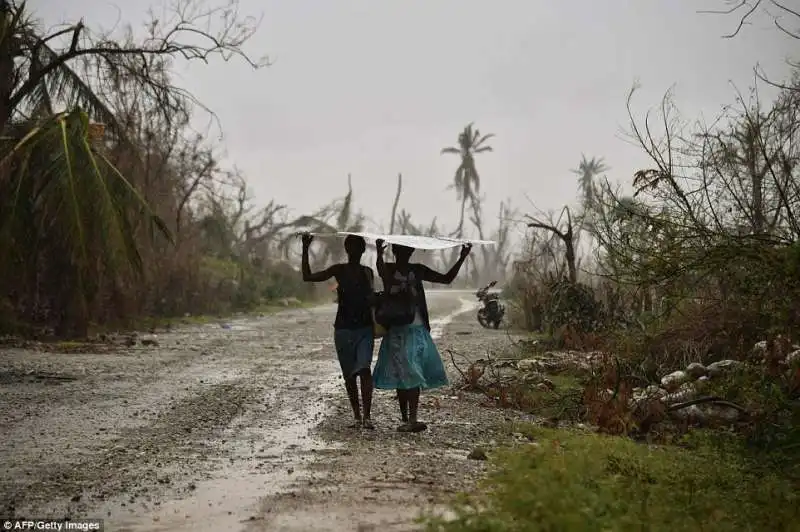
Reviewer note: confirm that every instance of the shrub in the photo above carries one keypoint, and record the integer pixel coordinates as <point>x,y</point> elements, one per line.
<point>578,481</point>
<point>572,305</point>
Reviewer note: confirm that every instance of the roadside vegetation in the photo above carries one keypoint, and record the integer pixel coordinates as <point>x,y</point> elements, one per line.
<point>663,353</point>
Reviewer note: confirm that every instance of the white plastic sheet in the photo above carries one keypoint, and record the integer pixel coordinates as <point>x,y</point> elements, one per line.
<point>413,241</point>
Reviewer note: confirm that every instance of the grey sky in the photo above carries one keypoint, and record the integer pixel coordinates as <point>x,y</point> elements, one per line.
<point>374,88</point>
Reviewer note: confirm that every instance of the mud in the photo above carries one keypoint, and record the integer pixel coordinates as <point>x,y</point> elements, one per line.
<point>233,426</point>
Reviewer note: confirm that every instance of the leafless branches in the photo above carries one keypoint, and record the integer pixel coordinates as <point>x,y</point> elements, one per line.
<point>187,29</point>
<point>747,9</point>
<point>564,230</point>
<point>396,202</point>
<point>785,18</point>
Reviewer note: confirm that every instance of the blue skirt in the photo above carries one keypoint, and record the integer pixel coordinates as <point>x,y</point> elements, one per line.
<point>407,359</point>
<point>354,349</point>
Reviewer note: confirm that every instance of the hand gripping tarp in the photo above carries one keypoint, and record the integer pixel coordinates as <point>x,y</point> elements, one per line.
<point>414,241</point>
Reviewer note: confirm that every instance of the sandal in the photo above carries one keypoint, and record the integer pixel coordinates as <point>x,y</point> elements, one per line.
<point>368,424</point>
<point>405,427</point>
<point>355,424</point>
<point>418,426</point>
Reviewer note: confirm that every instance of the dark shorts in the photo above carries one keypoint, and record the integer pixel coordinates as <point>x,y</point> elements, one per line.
<point>354,349</point>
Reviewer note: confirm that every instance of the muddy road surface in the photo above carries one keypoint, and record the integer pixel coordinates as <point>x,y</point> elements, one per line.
<point>236,425</point>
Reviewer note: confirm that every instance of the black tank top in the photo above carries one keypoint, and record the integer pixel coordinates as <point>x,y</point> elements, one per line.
<point>354,291</point>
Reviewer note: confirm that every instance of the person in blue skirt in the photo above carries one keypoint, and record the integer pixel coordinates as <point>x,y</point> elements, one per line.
<point>408,360</point>
<point>353,327</point>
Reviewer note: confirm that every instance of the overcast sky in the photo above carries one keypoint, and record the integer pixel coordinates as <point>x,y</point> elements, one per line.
<point>377,87</point>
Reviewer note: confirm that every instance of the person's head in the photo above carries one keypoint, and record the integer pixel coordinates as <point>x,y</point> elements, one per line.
<point>354,246</point>
<point>402,254</point>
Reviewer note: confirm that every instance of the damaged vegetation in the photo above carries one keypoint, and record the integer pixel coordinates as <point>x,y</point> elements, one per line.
<point>114,210</point>
<point>664,347</point>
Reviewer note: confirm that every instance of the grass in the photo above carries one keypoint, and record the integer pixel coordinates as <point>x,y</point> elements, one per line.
<point>580,481</point>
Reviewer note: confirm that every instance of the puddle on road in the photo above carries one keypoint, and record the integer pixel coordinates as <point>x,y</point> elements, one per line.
<point>437,326</point>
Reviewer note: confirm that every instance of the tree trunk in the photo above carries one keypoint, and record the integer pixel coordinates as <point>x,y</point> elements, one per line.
<point>396,201</point>
<point>569,254</point>
<point>460,230</point>
<point>6,66</point>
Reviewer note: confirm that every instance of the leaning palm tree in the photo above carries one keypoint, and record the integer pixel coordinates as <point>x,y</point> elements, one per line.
<point>66,213</point>
<point>467,181</point>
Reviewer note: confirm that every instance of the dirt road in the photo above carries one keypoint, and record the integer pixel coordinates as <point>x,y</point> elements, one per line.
<point>231,426</point>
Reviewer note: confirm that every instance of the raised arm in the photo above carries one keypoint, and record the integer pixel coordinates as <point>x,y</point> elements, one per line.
<point>432,276</point>
<point>308,276</point>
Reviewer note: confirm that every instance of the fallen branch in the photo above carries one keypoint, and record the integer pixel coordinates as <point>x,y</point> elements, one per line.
<point>453,360</point>
<point>706,400</point>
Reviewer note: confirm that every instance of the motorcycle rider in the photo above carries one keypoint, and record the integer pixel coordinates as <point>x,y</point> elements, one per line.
<point>492,311</point>
<point>483,292</point>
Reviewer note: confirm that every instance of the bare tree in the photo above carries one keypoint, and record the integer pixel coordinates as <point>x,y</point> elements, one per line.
<point>396,202</point>
<point>564,231</point>
<point>501,253</point>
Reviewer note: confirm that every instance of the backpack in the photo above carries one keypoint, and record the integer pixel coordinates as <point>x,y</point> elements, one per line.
<point>396,305</point>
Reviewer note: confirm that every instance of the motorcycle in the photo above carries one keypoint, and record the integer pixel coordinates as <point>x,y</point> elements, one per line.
<point>492,312</point>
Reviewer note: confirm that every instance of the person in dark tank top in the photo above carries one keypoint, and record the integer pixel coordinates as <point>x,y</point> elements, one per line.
<point>353,327</point>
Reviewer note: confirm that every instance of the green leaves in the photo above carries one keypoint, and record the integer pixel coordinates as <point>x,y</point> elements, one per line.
<point>58,188</point>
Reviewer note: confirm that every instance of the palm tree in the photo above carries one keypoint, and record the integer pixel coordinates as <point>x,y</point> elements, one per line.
<point>66,213</point>
<point>587,170</point>
<point>466,180</point>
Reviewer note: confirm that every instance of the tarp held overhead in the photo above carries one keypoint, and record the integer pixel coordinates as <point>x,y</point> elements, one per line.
<point>414,241</point>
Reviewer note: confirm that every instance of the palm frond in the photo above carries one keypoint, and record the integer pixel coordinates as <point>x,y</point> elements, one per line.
<point>65,87</point>
<point>312,224</point>
<point>79,195</point>
<point>483,139</point>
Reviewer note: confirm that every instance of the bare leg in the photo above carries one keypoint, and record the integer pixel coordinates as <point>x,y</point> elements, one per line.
<point>366,397</point>
<point>352,394</point>
<point>413,405</point>
<point>402,398</point>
